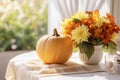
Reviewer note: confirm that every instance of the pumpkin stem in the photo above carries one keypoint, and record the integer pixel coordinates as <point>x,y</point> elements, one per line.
<point>55,32</point>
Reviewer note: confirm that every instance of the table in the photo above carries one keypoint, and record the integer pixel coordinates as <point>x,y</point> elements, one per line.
<point>27,67</point>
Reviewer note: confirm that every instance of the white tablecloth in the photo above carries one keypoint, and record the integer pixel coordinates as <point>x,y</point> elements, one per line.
<point>27,67</point>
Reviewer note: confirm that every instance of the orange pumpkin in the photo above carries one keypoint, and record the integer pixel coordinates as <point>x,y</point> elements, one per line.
<point>54,49</point>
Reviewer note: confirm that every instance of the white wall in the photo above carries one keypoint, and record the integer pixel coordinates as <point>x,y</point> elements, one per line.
<point>115,4</point>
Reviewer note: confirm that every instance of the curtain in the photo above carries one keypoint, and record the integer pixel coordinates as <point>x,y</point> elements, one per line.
<point>115,11</point>
<point>61,9</point>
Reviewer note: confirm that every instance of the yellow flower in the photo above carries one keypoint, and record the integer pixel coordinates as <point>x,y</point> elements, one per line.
<point>81,16</point>
<point>114,37</point>
<point>67,21</point>
<point>100,20</point>
<point>80,34</point>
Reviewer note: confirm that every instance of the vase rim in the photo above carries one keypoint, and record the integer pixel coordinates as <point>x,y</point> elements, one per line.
<point>97,45</point>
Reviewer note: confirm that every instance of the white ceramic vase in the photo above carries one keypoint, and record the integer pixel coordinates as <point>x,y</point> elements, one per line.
<point>95,58</point>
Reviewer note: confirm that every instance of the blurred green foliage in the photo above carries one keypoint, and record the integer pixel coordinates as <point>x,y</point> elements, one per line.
<point>22,23</point>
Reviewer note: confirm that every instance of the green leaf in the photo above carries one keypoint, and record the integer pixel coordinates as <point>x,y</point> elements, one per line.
<point>111,47</point>
<point>87,48</point>
<point>76,20</point>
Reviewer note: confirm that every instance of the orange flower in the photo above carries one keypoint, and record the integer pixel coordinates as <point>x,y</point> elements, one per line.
<point>110,17</point>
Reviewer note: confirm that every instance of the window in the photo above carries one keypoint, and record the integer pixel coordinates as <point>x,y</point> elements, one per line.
<point>22,23</point>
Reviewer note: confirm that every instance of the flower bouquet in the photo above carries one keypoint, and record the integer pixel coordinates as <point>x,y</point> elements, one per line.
<point>88,29</point>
